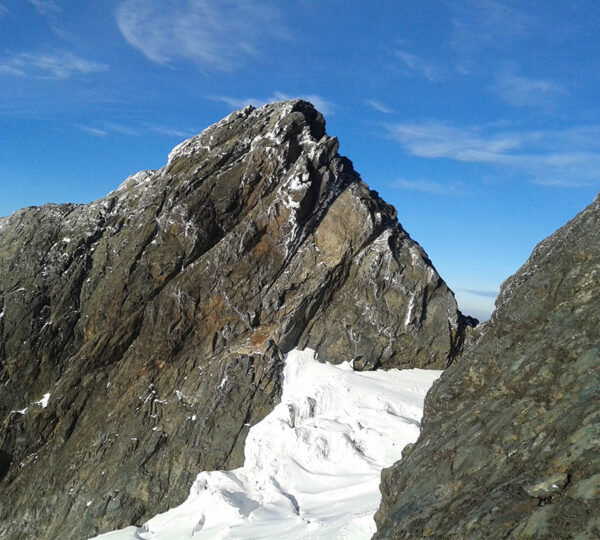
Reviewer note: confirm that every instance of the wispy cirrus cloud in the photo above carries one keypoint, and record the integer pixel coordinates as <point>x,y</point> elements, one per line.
<point>169,131</point>
<point>482,23</point>
<point>3,11</point>
<point>217,34</point>
<point>110,128</point>
<point>437,140</point>
<point>238,103</point>
<point>321,104</point>
<point>433,188</point>
<point>378,106</point>
<point>559,157</point>
<point>94,131</point>
<point>45,7</point>
<point>482,29</point>
<point>528,92</point>
<point>425,68</point>
<point>58,65</point>
<point>137,129</point>
<point>120,129</point>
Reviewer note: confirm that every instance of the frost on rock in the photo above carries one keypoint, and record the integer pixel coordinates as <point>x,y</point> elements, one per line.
<point>312,466</point>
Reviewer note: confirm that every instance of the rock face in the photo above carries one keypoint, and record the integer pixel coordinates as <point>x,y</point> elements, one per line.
<point>511,432</point>
<point>156,318</point>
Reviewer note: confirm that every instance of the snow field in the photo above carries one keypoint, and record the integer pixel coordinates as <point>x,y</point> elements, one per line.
<point>312,466</point>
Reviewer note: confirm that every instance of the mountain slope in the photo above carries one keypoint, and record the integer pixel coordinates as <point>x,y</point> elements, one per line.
<point>156,318</point>
<point>509,447</point>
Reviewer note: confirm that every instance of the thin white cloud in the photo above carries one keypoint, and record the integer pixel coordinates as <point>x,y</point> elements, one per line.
<point>483,23</point>
<point>94,131</point>
<point>567,157</point>
<point>45,7</point>
<point>419,65</point>
<point>321,104</point>
<point>238,103</point>
<point>7,69</point>
<point>135,131</point>
<point>560,183</point>
<point>60,65</point>
<point>433,188</point>
<point>528,92</point>
<point>217,34</point>
<point>437,140</point>
<point>3,11</point>
<point>170,131</point>
<point>378,106</point>
<point>121,129</point>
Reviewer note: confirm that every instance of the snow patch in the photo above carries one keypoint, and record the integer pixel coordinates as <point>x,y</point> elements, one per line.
<point>410,310</point>
<point>43,403</point>
<point>312,467</point>
<point>140,177</point>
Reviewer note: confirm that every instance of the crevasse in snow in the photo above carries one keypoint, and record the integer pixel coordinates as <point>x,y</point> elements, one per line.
<point>312,467</point>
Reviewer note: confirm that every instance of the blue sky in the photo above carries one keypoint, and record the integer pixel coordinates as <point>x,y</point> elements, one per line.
<point>479,120</point>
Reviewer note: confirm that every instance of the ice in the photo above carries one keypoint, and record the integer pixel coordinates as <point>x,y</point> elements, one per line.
<point>312,467</point>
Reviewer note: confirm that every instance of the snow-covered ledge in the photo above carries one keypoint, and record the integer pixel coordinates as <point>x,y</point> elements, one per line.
<point>312,467</point>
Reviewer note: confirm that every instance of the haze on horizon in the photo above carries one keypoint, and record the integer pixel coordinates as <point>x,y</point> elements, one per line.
<point>478,120</point>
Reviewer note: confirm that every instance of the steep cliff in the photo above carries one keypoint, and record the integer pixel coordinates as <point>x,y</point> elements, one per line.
<point>511,432</point>
<point>142,334</point>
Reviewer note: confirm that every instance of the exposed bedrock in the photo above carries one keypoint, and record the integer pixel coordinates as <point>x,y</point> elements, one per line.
<point>157,317</point>
<point>511,432</point>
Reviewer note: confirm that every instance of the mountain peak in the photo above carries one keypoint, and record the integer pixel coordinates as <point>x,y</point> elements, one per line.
<point>274,121</point>
<point>158,316</point>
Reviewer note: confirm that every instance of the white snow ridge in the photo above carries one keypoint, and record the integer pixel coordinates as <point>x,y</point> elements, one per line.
<point>312,467</point>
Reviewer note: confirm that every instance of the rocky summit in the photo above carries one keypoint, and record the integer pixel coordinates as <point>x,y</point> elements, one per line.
<point>511,433</point>
<point>142,334</point>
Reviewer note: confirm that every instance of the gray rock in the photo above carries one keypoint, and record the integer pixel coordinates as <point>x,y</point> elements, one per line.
<point>511,432</point>
<point>158,316</point>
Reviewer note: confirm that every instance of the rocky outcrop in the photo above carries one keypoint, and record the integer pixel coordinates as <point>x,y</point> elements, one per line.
<point>511,432</point>
<point>156,318</point>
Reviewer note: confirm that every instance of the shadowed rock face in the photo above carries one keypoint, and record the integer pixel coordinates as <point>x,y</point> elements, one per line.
<point>157,318</point>
<point>511,432</point>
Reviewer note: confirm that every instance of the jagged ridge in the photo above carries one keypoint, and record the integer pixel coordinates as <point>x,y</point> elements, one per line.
<point>157,317</point>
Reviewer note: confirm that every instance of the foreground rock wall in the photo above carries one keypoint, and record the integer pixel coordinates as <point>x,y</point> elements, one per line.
<point>156,318</point>
<point>511,432</point>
